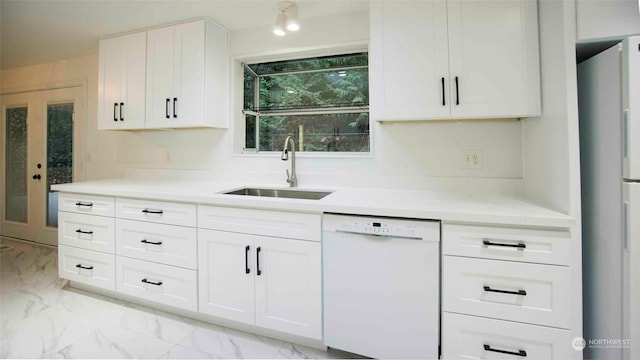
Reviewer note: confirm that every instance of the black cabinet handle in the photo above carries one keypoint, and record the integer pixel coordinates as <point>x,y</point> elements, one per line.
<point>145,241</point>
<point>457,93</point>
<point>115,106</point>
<point>84,204</point>
<point>258,271</point>
<point>37,177</point>
<point>84,232</point>
<point>79,266</point>
<point>147,211</point>
<point>166,108</point>
<point>175,100</point>
<point>246,260</point>
<point>121,107</point>
<point>519,353</point>
<point>151,282</point>
<point>518,245</point>
<point>519,292</point>
<point>443,99</point>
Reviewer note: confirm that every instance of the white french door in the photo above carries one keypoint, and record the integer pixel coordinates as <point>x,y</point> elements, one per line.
<point>42,139</point>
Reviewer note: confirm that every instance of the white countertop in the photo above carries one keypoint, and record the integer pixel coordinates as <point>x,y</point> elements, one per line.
<point>446,206</point>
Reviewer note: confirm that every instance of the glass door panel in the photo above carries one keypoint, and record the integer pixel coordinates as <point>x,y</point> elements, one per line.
<point>16,192</point>
<point>59,154</point>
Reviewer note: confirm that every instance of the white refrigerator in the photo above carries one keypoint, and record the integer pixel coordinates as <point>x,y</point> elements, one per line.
<point>609,106</point>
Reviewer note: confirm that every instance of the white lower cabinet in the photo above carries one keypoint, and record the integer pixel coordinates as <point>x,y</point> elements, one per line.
<point>471,337</point>
<point>165,284</point>
<point>271,282</point>
<point>86,266</point>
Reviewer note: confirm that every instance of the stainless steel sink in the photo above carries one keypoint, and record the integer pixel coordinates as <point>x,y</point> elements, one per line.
<point>280,193</point>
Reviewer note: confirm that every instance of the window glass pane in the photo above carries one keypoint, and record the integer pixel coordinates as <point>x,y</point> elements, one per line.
<point>249,90</point>
<point>16,165</point>
<point>250,132</point>
<point>318,132</point>
<point>59,154</point>
<point>323,62</point>
<point>309,90</point>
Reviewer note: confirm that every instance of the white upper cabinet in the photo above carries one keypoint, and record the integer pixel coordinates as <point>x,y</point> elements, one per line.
<point>454,59</point>
<point>121,90</point>
<point>182,70</point>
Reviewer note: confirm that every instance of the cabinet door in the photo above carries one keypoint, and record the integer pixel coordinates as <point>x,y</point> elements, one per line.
<point>133,84</point>
<point>226,289</point>
<point>187,102</point>
<point>409,62</point>
<point>288,286</point>
<point>493,50</point>
<point>109,83</point>
<point>160,65</point>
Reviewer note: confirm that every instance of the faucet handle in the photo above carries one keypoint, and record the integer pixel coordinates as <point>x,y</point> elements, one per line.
<point>288,177</point>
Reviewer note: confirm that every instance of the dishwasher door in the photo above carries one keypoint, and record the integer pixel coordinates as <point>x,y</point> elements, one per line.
<point>381,292</point>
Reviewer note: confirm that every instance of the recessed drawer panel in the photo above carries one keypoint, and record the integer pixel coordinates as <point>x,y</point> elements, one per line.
<point>86,266</point>
<point>165,284</point>
<point>471,337</point>
<point>86,204</point>
<point>86,231</point>
<point>166,244</point>
<point>157,211</point>
<point>526,245</point>
<point>531,293</point>
<point>261,222</point>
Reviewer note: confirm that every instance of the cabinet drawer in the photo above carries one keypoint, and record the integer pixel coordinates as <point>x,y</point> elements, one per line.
<point>165,284</point>
<point>166,244</point>
<point>157,212</point>
<point>86,231</point>
<point>261,222</point>
<point>86,266</point>
<point>470,337</point>
<point>86,204</point>
<point>527,245</point>
<point>531,293</point>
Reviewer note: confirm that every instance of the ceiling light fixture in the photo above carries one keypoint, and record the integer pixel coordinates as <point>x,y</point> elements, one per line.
<point>287,18</point>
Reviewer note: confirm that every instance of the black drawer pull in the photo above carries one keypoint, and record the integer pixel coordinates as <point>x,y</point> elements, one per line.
<point>84,267</point>
<point>145,241</point>
<point>246,260</point>
<point>518,245</point>
<point>519,353</point>
<point>519,292</point>
<point>84,232</point>
<point>151,282</point>
<point>84,204</point>
<point>258,271</point>
<point>147,211</point>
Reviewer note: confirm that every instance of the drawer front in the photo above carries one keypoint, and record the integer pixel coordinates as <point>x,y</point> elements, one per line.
<point>526,245</point>
<point>86,266</point>
<point>87,204</point>
<point>86,231</point>
<point>157,212</point>
<point>470,337</point>
<point>165,284</point>
<point>165,244</point>
<point>531,293</point>
<point>261,222</point>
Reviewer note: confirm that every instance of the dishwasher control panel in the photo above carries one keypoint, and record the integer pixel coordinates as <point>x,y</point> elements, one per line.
<point>381,227</point>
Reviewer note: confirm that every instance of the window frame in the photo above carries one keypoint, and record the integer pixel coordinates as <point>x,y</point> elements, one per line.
<point>239,113</point>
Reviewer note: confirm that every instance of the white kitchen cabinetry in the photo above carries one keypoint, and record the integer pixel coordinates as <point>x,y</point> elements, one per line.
<point>454,60</point>
<point>506,291</point>
<point>186,64</point>
<point>121,79</point>
<point>271,282</point>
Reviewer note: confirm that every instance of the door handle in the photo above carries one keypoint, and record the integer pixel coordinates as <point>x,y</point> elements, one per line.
<point>457,93</point>
<point>175,101</point>
<point>121,107</point>
<point>444,103</point>
<point>115,107</point>
<point>258,271</point>
<point>246,259</point>
<point>166,108</point>
<point>37,177</point>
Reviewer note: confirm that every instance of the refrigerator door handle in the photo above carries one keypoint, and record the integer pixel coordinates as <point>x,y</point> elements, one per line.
<point>625,225</point>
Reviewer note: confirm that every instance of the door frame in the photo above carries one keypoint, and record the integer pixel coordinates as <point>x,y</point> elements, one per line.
<point>42,97</point>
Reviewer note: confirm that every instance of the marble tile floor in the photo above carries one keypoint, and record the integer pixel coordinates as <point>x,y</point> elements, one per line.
<point>40,319</point>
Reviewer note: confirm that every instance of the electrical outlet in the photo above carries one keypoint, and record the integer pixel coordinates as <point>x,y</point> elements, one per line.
<point>471,159</point>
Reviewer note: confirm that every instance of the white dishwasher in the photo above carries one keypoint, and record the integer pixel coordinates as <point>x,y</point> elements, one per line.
<point>381,286</point>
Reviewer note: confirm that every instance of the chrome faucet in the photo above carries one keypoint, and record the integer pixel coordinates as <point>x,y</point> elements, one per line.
<point>291,178</point>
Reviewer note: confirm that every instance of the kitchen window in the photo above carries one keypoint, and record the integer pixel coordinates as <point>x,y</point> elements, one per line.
<point>323,102</point>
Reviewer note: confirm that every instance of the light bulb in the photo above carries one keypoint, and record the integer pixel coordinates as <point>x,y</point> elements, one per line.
<point>292,18</point>
<point>278,28</point>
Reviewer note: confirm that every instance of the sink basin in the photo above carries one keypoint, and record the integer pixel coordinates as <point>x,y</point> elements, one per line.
<point>280,193</point>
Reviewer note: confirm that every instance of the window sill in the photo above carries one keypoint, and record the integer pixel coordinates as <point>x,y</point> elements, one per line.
<point>306,155</point>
